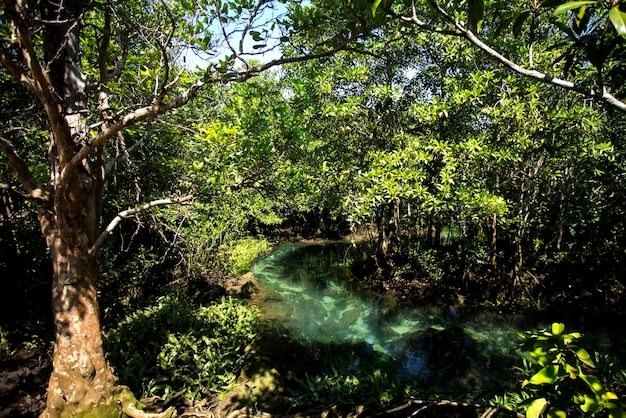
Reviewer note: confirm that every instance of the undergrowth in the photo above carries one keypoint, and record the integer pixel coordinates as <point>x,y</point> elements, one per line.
<point>177,345</point>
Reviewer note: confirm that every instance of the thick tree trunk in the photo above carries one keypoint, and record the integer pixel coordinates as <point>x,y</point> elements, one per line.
<point>81,377</point>
<point>82,382</point>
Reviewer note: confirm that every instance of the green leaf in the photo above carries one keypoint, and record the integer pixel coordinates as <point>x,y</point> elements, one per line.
<point>256,35</point>
<point>548,375</point>
<point>536,408</point>
<point>519,21</point>
<point>594,384</point>
<point>591,404</point>
<point>556,413</point>
<point>573,371</point>
<point>583,356</point>
<point>615,411</point>
<point>572,5</point>
<point>375,7</point>
<point>476,13</point>
<point>558,328</point>
<point>541,355</point>
<point>618,18</point>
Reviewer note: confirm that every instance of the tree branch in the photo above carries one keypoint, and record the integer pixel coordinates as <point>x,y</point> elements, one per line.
<point>150,111</point>
<point>603,96</point>
<point>7,61</point>
<point>20,169</point>
<point>38,83</point>
<point>130,119</point>
<point>11,190</point>
<point>131,212</point>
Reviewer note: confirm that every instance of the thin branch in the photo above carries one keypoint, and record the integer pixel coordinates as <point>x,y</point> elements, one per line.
<point>7,61</point>
<point>248,26</point>
<point>164,57</point>
<point>131,212</point>
<point>130,119</point>
<point>213,76</point>
<point>425,26</point>
<point>11,190</point>
<point>225,34</point>
<point>603,96</point>
<point>126,156</point>
<point>40,84</point>
<point>43,90</point>
<point>20,169</point>
<point>150,111</point>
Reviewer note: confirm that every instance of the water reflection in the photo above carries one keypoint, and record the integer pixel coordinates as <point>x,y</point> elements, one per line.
<point>451,348</point>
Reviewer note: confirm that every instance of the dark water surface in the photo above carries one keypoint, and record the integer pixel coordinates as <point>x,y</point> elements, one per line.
<point>449,348</point>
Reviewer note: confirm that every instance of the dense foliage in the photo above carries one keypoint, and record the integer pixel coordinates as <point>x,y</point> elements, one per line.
<point>198,350</point>
<point>478,146</point>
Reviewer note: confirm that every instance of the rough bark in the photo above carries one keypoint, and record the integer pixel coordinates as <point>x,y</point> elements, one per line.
<point>81,377</point>
<point>388,241</point>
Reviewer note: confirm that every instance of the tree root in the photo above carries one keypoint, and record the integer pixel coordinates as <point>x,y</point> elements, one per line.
<point>132,408</point>
<point>133,412</point>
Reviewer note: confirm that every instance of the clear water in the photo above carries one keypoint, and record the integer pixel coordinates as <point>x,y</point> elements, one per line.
<point>449,348</point>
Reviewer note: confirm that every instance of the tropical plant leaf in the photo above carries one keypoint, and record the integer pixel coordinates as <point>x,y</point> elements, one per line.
<point>476,13</point>
<point>618,18</point>
<point>548,375</point>
<point>591,404</point>
<point>536,408</point>
<point>572,5</point>
<point>556,413</point>
<point>594,384</point>
<point>375,6</point>
<point>558,328</point>
<point>519,21</point>
<point>583,356</point>
<point>615,411</point>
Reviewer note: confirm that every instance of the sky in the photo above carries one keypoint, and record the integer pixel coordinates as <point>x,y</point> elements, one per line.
<point>262,25</point>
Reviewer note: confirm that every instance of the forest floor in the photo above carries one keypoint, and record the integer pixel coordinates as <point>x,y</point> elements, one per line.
<point>23,383</point>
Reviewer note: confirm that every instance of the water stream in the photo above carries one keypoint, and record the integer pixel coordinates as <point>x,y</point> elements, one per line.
<point>449,348</point>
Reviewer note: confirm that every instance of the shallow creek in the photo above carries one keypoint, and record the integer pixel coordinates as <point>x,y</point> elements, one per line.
<point>312,295</point>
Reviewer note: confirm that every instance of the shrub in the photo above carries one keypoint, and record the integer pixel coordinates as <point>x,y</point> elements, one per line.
<point>562,379</point>
<point>243,253</point>
<point>177,345</point>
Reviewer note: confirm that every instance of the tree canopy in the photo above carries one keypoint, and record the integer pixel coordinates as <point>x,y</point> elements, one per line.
<point>479,144</point>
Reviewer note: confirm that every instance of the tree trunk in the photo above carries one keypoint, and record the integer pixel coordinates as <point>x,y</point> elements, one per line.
<point>82,382</point>
<point>81,377</point>
<point>388,240</point>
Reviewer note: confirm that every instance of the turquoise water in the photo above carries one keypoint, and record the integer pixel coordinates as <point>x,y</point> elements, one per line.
<point>450,348</point>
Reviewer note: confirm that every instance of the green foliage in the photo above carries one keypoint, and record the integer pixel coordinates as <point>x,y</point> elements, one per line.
<point>242,253</point>
<point>198,349</point>
<point>564,379</point>
<point>5,348</point>
<point>23,339</point>
<point>346,383</point>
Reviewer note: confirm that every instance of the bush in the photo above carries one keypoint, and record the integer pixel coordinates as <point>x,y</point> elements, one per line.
<point>562,379</point>
<point>177,345</point>
<point>243,253</point>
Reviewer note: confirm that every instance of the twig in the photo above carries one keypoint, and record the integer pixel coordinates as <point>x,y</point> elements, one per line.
<point>130,212</point>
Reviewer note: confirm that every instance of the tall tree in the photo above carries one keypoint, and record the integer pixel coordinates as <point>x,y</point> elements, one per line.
<point>97,69</point>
